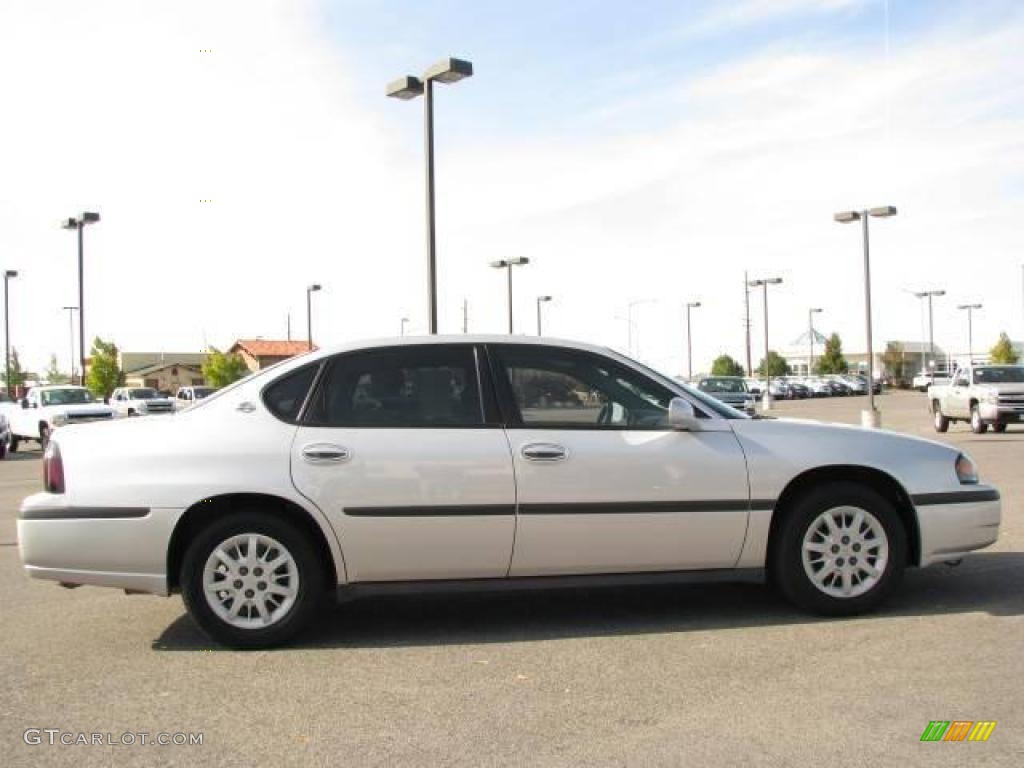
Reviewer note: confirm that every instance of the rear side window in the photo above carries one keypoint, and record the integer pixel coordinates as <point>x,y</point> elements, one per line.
<point>429,386</point>
<point>284,397</point>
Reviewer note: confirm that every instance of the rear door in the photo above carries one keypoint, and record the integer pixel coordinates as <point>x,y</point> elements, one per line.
<point>604,484</point>
<point>404,453</point>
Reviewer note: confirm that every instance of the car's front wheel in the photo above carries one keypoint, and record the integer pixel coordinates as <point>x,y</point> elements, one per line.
<point>941,422</point>
<point>252,580</point>
<point>841,550</point>
<point>978,426</point>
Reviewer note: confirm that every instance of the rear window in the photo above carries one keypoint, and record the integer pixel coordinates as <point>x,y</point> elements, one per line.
<point>284,397</point>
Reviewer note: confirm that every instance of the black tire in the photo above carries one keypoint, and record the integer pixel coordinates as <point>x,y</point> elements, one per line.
<point>787,565</point>
<point>941,422</point>
<point>14,443</point>
<point>311,577</point>
<point>978,426</point>
<point>1000,428</point>
<point>44,436</point>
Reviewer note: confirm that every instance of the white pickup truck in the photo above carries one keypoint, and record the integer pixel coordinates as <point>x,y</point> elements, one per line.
<point>44,409</point>
<point>140,401</point>
<point>984,395</point>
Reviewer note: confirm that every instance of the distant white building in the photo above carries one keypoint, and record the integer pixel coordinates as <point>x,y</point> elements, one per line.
<point>916,354</point>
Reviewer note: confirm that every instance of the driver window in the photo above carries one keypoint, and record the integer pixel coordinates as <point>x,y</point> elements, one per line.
<point>559,389</point>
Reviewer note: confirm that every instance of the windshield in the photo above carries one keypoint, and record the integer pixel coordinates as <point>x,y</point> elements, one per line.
<point>143,394</point>
<point>65,396</point>
<point>1000,374</point>
<point>201,392</point>
<point>728,386</point>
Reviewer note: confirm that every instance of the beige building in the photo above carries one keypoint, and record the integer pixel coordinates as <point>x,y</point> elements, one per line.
<point>164,371</point>
<point>260,353</point>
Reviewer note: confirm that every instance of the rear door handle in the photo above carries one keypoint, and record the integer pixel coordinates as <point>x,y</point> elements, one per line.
<point>325,453</point>
<point>544,452</point>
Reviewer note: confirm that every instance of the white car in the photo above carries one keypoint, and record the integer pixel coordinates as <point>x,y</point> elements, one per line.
<point>186,397</point>
<point>140,401</point>
<point>44,409</point>
<point>480,461</point>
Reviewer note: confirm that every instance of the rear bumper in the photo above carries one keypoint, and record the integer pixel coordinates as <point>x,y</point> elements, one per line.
<point>109,547</point>
<point>951,530</point>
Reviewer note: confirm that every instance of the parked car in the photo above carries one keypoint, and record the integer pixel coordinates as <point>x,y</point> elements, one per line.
<point>755,387</point>
<point>384,466</point>
<point>858,384</point>
<point>985,395</point>
<point>44,409</point>
<point>797,389</point>
<point>731,390</point>
<point>139,401</point>
<point>925,379</point>
<point>818,386</point>
<point>838,387</point>
<point>189,396</point>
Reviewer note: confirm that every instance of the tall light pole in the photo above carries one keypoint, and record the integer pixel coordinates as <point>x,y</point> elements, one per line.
<point>8,274</point>
<point>689,340</point>
<point>541,300</point>
<point>409,87</point>
<point>746,321</point>
<point>810,336</point>
<point>970,329</point>
<point>766,396</point>
<point>404,322</point>
<point>309,313</point>
<point>80,224</point>
<point>870,417</point>
<point>931,334</point>
<point>507,264</point>
<point>71,337</point>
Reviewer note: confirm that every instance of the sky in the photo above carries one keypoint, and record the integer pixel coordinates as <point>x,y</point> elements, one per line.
<point>646,153</point>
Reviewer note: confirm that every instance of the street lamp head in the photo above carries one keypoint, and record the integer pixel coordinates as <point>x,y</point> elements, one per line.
<point>314,287</point>
<point>10,273</point>
<point>499,264</point>
<point>969,306</point>
<point>405,88</point>
<point>449,70</point>
<point>845,217</point>
<point>543,298</point>
<point>71,223</point>
<point>519,260</point>
<point>89,217</point>
<point>693,303</point>
<point>938,293</point>
<point>883,212</point>
<point>817,309</point>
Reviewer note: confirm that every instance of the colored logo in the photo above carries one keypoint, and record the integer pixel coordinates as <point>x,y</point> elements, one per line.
<point>958,730</point>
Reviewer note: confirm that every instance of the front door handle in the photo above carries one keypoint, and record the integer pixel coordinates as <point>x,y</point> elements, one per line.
<point>544,452</point>
<point>325,453</point>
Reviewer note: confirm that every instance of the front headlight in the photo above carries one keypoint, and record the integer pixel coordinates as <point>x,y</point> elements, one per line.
<point>59,419</point>
<point>966,472</point>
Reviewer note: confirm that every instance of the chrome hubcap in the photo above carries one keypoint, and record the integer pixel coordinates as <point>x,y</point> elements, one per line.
<point>845,551</point>
<point>250,581</point>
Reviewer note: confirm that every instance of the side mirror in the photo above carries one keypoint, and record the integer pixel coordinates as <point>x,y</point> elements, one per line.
<point>24,402</point>
<point>682,416</point>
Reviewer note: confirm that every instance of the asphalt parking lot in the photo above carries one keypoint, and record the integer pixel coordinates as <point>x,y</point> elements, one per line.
<point>714,674</point>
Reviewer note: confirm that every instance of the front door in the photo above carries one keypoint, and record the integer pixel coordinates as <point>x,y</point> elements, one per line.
<point>397,451</point>
<point>603,484</point>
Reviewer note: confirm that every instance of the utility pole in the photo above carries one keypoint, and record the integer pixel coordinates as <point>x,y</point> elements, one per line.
<point>746,302</point>
<point>465,315</point>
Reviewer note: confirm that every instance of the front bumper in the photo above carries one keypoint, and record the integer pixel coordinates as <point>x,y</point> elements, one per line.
<point>993,413</point>
<point>108,547</point>
<point>950,530</point>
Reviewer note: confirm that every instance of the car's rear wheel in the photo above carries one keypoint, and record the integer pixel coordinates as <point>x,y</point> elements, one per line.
<point>44,437</point>
<point>13,447</point>
<point>940,421</point>
<point>841,550</point>
<point>251,580</point>
<point>978,426</point>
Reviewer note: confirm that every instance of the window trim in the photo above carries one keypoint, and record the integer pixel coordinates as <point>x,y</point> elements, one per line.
<point>305,400</point>
<point>513,417</point>
<point>325,363</point>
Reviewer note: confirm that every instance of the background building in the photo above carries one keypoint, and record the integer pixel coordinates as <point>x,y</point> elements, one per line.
<point>259,353</point>
<point>162,370</point>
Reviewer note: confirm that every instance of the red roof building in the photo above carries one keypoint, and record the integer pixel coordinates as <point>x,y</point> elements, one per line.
<point>259,353</point>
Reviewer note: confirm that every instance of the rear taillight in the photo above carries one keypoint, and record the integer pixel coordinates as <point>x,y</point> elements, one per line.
<point>53,469</point>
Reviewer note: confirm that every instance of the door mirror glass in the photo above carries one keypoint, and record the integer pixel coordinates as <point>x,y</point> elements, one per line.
<point>24,402</point>
<point>681,415</point>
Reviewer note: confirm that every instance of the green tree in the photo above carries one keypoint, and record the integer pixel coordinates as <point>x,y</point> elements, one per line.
<point>221,369</point>
<point>773,364</point>
<point>17,372</point>
<point>894,360</point>
<point>724,365</point>
<point>53,374</point>
<point>105,374</point>
<point>1003,351</point>
<point>832,361</point>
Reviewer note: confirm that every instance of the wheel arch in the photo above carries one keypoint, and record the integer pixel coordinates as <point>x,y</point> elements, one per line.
<point>205,511</point>
<point>881,482</point>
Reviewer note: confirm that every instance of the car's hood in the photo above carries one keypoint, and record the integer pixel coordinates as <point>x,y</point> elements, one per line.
<point>81,409</point>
